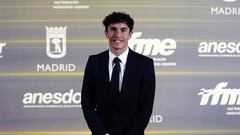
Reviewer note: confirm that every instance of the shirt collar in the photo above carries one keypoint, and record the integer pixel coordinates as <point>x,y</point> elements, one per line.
<point>122,57</point>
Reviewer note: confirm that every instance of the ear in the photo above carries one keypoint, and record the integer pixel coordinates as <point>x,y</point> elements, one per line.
<point>106,34</point>
<point>130,34</point>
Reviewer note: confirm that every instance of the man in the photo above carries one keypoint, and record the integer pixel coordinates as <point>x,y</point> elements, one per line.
<point>119,84</point>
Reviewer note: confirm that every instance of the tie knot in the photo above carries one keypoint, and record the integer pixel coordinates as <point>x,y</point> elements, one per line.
<point>116,60</point>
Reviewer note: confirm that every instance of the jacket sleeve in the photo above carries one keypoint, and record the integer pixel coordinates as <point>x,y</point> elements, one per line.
<point>88,101</point>
<point>145,105</point>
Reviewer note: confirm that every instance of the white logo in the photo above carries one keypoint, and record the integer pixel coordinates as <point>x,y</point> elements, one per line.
<point>152,47</point>
<point>68,4</point>
<point>226,10</point>
<point>56,67</point>
<point>228,96</point>
<point>56,41</point>
<point>52,100</point>
<point>156,119</point>
<point>1,48</point>
<point>229,0</point>
<point>219,49</point>
<point>156,48</point>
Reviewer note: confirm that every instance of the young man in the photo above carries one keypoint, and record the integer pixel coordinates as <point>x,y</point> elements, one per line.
<point>119,84</point>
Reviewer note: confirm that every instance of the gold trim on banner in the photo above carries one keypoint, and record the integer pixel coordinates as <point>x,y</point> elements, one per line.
<point>99,20</point>
<point>81,73</point>
<point>48,20</point>
<point>50,6</point>
<point>69,41</point>
<point>100,40</point>
<point>29,74</point>
<point>148,132</point>
<point>34,41</point>
<point>177,132</point>
<point>159,73</point>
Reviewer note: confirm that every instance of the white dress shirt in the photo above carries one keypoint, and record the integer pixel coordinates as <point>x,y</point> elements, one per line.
<point>123,58</point>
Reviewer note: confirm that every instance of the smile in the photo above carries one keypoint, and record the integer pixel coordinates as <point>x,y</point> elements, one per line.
<point>117,41</point>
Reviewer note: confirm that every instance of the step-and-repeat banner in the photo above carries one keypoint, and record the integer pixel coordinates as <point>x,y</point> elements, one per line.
<point>44,46</point>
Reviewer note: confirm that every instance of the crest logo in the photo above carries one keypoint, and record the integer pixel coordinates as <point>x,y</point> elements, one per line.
<point>56,42</point>
<point>1,48</point>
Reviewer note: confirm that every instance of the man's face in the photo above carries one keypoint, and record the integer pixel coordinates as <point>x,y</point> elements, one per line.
<point>118,35</point>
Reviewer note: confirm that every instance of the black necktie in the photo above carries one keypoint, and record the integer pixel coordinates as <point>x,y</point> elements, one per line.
<point>115,74</point>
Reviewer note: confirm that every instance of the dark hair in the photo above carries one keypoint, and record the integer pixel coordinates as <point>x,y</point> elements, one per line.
<point>118,17</point>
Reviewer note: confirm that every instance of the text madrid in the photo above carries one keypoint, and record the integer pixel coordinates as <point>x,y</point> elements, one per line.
<point>225,11</point>
<point>56,67</point>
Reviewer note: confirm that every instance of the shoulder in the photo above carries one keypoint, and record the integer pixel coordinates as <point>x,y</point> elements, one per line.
<point>97,60</point>
<point>139,57</point>
<point>140,62</point>
<point>101,55</point>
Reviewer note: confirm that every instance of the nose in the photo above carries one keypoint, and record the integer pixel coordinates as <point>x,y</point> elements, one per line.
<point>117,33</point>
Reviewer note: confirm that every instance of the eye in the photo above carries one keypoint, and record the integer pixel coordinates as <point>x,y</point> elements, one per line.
<point>113,29</point>
<point>124,30</point>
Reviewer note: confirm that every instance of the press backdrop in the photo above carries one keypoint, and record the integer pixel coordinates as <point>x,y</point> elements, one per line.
<point>45,44</point>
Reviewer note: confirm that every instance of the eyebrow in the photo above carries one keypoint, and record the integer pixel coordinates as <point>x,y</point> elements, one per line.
<point>123,28</point>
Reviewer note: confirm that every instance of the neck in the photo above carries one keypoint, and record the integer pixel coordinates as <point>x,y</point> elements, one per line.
<point>118,52</point>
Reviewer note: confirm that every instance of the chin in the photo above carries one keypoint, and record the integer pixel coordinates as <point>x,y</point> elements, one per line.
<point>117,47</point>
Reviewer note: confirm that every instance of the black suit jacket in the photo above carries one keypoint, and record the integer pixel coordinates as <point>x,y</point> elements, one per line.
<point>127,114</point>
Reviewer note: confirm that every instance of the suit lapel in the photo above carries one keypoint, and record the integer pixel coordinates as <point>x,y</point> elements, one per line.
<point>105,74</point>
<point>128,70</point>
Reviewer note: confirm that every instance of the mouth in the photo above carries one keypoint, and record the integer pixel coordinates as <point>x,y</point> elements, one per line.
<point>117,41</point>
